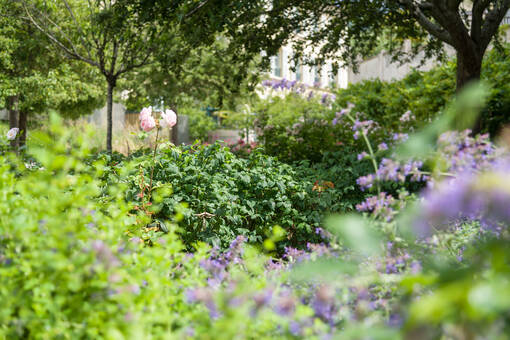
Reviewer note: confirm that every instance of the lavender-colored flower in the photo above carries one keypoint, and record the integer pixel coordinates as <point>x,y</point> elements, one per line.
<point>406,117</point>
<point>263,298</point>
<point>362,155</point>
<point>324,98</point>
<point>104,254</point>
<point>469,196</point>
<point>205,296</point>
<point>400,137</point>
<point>382,146</point>
<point>323,304</point>
<point>295,255</point>
<point>381,206</point>
<point>335,121</point>
<point>395,320</point>
<point>286,304</point>
<point>365,182</point>
<point>295,328</point>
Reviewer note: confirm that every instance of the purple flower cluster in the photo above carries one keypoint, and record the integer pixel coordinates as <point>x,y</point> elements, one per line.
<point>282,84</point>
<point>407,117</point>
<point>381,206</point>
<point>482,197</point>
<point>393,171</point>
<point>217,263</point>
<point>464,153</point>
<point>362,127</point>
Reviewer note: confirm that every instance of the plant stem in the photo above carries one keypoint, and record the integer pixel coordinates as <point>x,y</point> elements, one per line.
<point>153,161</point>
<point>371,152</point>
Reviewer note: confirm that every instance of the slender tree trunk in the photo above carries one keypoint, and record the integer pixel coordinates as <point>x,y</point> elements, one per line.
<point>173,130</point>
<point>109,115</point>
<point>22,128</point>
<point>469,69</point>
<point>12,105</point>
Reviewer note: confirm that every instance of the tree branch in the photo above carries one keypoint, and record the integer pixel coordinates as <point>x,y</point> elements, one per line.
<point>434,29</point>
<point>193,11</point>
<point>129,67</point>
<point>479,7</point>
<point>85,43</point>
<point>72,52</point>
<point>491,24</point>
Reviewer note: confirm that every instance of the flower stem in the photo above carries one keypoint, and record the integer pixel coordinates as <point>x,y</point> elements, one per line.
<point>370,151</point>
<point>153,161</point>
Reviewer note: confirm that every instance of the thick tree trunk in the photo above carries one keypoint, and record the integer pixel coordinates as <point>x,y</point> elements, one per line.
<point>22,128</point>
<point>109,115</point>
<point>468,70</point>
<point>12,106</point>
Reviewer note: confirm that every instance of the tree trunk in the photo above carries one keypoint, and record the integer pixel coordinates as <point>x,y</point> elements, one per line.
<point>109,115</point>
<point>12,106</point>
<point>22,128</point>
<point>468,70</point>
<point>173,130</point>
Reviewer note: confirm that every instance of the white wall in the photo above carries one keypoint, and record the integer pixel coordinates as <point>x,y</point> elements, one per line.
<point>307,72</point>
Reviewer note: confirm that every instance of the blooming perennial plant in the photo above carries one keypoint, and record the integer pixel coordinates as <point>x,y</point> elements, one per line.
<point>12,133</point>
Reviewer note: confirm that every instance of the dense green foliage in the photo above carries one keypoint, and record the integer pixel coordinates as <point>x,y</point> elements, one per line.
<point>41,79</point>
<point>205,76</point>
<point>90,249</point>
<point>349,31</point>
<point>426,94</point>
<point>244,196</point>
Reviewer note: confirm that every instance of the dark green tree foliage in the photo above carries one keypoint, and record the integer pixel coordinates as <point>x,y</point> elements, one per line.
<point>117,37</point>
<point>34,79</point>
<point>207,76</point>
<point>351,29</point>
<point>426,94</point>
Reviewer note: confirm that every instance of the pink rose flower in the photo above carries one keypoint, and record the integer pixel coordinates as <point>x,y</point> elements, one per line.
<point>12,133</point>
<point>146,111</point>
<point>168,119</point>
<point>147,122</point>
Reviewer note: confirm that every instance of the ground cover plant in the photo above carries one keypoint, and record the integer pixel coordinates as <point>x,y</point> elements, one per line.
<point>103,246</point>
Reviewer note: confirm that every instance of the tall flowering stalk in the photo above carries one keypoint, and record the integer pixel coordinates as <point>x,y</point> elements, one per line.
<point>167,119</point>
<point>363,128</point>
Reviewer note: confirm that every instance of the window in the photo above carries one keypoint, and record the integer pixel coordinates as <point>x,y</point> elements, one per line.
<point>299,71</point>
<point>276,64</point>
<point>316,76</point>
<point>333,78</point>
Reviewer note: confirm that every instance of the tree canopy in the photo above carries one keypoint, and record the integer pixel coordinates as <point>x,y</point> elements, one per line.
<point>117,37</point>
<point>349,30</point>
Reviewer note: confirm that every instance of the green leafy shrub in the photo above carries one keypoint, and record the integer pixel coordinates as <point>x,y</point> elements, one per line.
<point>426,94</point>
<point>67,266</point>
<point>229,196</point>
